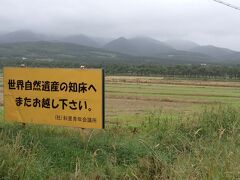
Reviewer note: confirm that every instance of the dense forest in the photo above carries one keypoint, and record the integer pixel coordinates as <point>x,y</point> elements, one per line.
<point>184,71</point>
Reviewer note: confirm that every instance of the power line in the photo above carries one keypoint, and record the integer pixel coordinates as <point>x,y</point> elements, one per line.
<point>228,4</point>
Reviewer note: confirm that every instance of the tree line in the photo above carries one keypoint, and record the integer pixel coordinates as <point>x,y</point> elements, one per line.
<point>186,71</point>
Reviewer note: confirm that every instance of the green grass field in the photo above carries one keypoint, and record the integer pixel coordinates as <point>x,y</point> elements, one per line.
<point>154,130</point>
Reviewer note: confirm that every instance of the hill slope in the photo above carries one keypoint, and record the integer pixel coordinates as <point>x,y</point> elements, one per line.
<point>213,51</point>
<point>56,51</point>
<point>29,36</point>
<point>223,55</point>
<point>81,40</point>
<point>182,45</point>
<point>21,36</point>
<point>141,46</point>
<point>147,47</point>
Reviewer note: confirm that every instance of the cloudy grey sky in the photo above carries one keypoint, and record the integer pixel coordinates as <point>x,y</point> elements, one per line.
<point>203,21</point>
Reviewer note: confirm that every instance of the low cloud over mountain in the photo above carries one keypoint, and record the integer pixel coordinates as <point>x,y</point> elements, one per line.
<point>172,50</point>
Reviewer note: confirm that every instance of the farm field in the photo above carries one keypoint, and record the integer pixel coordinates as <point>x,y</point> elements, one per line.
<point>133,97</point>
<point>155,129</point>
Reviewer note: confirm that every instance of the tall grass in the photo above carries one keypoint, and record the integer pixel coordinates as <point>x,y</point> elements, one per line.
<point>201,146</point>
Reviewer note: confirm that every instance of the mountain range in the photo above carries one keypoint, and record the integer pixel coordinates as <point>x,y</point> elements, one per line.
<point>136,48</point>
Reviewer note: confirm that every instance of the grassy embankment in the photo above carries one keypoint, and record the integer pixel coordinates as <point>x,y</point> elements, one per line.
<point>153,131</point>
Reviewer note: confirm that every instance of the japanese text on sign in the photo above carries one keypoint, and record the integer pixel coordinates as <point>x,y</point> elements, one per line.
<point>68,97</point>
<point>53,86</point>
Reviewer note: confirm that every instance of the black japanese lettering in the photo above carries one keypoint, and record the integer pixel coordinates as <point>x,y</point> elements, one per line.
<point>27,102</point>
<point>63,86</point>
<point>36,102</point>
<point>80,106</point>
<point>73,105</point>
<point>64,104</point>
<point>94,120</point>
<point>37,85</point>
<point>19,101</point>
<point>54,86</point>
<point>11,84</point>
<point>69,118</point>
<point>73,87</point>
<point>82,87</point>
<point>54,106</point>
<point>20,84</point>
<point>89,119</point>
<point>45,85</point>
<point>92,87</point>
<point>28,85</point>
<point>46,103</point>
<point>58,117</point>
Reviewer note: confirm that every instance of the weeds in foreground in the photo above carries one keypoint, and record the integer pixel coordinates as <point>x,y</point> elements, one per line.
<point>206,146</point>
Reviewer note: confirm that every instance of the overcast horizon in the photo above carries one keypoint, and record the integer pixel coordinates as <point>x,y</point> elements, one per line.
<point>202,21</point>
